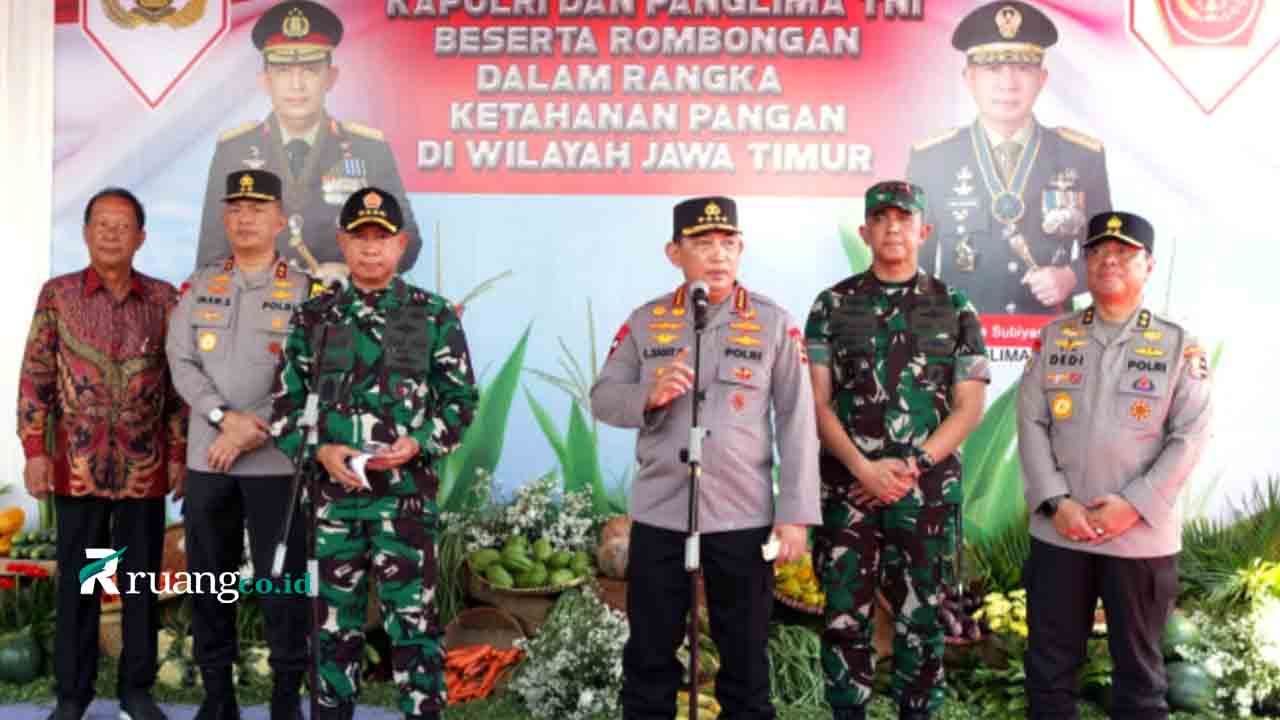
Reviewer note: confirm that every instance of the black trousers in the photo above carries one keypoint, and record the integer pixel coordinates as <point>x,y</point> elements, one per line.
<point>739,587</point>
<point>93,522</point>
<point>1063,587</point>
<point>216,511</point>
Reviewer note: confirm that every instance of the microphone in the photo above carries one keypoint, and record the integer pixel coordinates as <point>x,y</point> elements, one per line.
<point>698,293</point>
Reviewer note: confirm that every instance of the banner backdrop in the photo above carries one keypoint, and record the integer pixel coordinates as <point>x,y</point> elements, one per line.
<point>542,143</point>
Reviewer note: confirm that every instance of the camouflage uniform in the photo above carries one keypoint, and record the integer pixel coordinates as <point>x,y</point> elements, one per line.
<point>894,352</point>
<point>394,363</point>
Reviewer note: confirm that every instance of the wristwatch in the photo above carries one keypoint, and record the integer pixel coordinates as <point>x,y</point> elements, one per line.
<point>1049,507</point>
<point>924,460</point>
<point>217,415</point>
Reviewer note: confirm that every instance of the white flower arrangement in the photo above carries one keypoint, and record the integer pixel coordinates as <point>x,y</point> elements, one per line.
<point>1241,653</point>
<point>537,509</point>
<point>569,673</point>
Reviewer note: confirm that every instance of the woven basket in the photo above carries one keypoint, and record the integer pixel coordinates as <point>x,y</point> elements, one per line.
<point>796,604</point>
<point>483,626</point>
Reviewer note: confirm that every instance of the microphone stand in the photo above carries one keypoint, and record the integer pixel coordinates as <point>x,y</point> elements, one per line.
<point>692,456</point>
<point>310,421</point>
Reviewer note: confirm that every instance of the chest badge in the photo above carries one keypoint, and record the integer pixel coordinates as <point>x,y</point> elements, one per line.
<point>1061,406</point>
<point>1140,410</point>
<point>208,341</point>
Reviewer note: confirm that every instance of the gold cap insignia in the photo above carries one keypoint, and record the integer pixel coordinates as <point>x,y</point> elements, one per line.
<point>295,25</point>
<point>246,183</point>
<point>1115,224</point>
<point>711,213</point>
<point>372,201</point>
<point>1008,21</point>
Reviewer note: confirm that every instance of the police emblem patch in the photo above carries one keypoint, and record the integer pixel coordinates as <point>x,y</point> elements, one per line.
<point>1061,406</point>
<point>1140,410</point>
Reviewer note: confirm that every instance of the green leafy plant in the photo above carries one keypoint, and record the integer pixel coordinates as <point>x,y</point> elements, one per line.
<point>996,561</point>
<point>481,447</point>
<point>993,499</point>
<point>577,449</point>
<point>1217,554</point>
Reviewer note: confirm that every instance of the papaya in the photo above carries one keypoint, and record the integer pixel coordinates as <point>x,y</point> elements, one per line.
<point>483,558</point>
<point>498,576</point>
<point>515,560</point>
<point>581,563</point>
<point>561,576</point>
<point>534,577</point>
<point>542,550</point>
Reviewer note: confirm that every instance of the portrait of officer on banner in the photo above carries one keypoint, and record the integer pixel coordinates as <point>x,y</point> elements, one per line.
<point>1012,196</point>
<point>320,159</point>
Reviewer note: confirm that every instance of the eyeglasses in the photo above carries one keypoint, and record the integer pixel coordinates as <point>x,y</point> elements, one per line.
<point>703,245</point>
<point>1123,253</point>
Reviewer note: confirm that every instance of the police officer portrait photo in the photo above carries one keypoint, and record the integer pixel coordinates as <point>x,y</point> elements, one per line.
<point>1010,195</point>
<point>320,159</point>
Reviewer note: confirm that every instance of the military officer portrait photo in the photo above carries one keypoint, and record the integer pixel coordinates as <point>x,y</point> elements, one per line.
<point>321,159</point>
<point>1009,196</point>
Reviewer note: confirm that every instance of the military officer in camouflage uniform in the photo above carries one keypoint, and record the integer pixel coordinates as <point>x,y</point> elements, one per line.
<point>224,340</point>
<point>321,160</point>
<point>1113,412</point>
<point>390,365</point>
<point>899,378</point>
<point>1009,197</point>
<point>752,361</point>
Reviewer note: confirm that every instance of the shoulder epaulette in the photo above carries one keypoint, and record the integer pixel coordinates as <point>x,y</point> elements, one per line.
<point>236,132</point>
<point>363,131</point>
<point>939,137</point>
<point>1079,138</point>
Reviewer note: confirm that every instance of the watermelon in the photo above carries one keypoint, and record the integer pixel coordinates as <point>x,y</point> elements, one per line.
<point>1190,687</point>
<point>20,657</point>
<point>1178,631</point>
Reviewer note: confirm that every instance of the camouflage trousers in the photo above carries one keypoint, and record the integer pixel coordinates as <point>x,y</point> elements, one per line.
<point>394,537</point>
<point>904,549</point>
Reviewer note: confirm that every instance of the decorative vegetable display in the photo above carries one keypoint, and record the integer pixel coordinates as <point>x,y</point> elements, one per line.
<point>472,671</point>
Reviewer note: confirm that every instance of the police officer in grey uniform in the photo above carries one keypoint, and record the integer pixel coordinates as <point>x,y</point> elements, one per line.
<point>752,361</point>
<point>322,161</point>
<point>1113,411</point>
<point>225,338</point>
<point>1009,197</point>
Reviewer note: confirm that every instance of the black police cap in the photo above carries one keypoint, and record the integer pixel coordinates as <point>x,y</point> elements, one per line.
<point>371,205</point>
<point>704,214</point>
<point>1125,227</point>
<point>253,185</point>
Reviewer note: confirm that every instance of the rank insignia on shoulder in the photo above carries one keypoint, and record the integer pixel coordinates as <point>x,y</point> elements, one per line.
<point>1081,139</point>
<point>936,138</point>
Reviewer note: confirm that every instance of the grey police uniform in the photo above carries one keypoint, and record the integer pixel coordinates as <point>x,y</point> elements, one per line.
<point>225,338</point>
<point>1103,411</point>
<point>753,358</point>
<point>1129,417</point>
<point>346,156</point>
<point>1063,184</point>
<point>224,342</point>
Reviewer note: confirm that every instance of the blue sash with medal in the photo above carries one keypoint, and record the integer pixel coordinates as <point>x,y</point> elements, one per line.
<point>1007,204</point>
